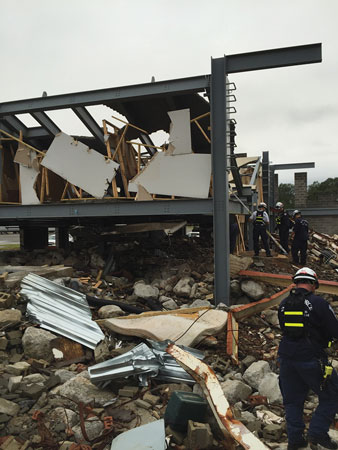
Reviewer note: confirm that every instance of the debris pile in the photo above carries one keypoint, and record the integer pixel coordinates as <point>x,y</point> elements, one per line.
<point>61,389</point>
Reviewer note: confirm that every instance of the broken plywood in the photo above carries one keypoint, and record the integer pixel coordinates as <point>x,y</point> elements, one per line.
<point>173,325</point>
<point>180,132</point>
<point>142,194</point>
<point>80,165</point>
<point>180,175</point>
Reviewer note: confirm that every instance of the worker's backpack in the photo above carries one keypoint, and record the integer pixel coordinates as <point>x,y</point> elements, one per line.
<point>295,314</point>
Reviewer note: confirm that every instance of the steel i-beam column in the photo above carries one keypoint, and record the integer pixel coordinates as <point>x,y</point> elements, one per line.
<point>220,181</point>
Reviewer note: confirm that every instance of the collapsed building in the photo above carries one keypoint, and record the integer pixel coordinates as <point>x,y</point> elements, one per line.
<point>141,342</point>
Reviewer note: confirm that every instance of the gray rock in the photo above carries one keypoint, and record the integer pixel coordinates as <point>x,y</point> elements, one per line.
<point>248,360</point>
<point>269,387</point>
<point>252,289</point>
<point>80,389</point>
<point>200,303</point>
<point>9,408</point>
<point>34,378</point>
<point>256,372</point>
<point>18,368</point>
<point>65,375</point>
<point>235,390</point>
<point>170,304</point>
<point>235,288</point>
<point>164,298</point>
<point>102,352</point>
<point>9,318</point>
<point>94,428</point>
<point>14,383</point>
<point>37,343</point>
<point>63,415</point>
<point>109,312</point>
<point>183,287</point>
<point>146,291</point>
<point>271,316</point>
<point>193,291</point>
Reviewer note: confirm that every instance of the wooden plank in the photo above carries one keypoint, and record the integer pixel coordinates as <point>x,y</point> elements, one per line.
<point>232,338</point>
<point>325,287</point>
<point>244,311</point>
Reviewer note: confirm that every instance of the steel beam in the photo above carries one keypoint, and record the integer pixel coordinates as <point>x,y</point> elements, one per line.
<point>255,172</point>
<point>265,177</point>
<point>270,59</point>
<point>98,97</point>
<point>291,166</point>
<point>65,210</point>
<point>15,124</point>
<point>89,122</point>
<point>46,122</point>
<point>218,123</point>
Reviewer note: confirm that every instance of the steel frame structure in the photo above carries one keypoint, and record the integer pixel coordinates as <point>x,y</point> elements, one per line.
<point>216,84</point>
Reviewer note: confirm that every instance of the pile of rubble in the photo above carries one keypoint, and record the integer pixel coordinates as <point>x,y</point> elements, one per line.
<point>108,368</point>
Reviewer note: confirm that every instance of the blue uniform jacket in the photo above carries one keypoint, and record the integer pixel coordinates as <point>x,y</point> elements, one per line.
<point>323,327</point>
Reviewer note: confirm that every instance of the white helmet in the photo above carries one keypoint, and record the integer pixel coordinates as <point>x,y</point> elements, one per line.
<point>305,274</point>
<point>295,212</point>
<point>280,205</point>
<point>262,205</point>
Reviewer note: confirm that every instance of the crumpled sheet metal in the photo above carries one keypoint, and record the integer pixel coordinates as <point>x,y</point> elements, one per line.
<point>146,437</point>
<point>143,362</point>
<point>60,310</point>
<point>207,379</point>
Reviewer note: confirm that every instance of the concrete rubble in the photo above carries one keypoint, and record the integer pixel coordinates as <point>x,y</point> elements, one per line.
<point>48,399</point>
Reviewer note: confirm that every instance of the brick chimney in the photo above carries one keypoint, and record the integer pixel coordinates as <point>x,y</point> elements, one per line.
<point>300,189</point>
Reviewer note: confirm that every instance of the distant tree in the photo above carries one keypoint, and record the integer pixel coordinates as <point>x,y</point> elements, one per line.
<point>286,195</point>
<point>329,186</point>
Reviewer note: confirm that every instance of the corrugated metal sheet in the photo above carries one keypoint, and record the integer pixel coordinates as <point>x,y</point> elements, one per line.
<point>60,310</point>
<point>143,362</point>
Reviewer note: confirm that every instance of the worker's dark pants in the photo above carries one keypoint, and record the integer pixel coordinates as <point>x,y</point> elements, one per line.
<point>259,230</point>
<point>299,246</point>
<point>284,239</point>
<point>295,380</point>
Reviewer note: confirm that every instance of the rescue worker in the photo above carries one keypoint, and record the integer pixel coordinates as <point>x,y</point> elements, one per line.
<point>260,221</point>
<point>300,238</point>
<point>308,324</point>
<point>283,225</point>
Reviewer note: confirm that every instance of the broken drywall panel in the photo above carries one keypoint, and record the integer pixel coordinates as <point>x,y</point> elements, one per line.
<point>179,175</point>
<point>80,165</point>
<point>180,132</point>
<point>28,176</point>
<point>241,162</point>
<point>23,156</point>
<point>142,194</point>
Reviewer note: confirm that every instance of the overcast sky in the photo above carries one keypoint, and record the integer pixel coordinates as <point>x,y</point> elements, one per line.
<point>66,46</point>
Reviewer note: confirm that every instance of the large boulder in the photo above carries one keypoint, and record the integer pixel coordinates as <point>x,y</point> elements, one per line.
<point>37,343</point>
<point>9,318</point>
<point>252,289</point>
<point>80,389</point>
<point>269,387</point>
<point>183,287</point>
<point>256,372</point>
<point>146,291</point>
<point>235,390</point>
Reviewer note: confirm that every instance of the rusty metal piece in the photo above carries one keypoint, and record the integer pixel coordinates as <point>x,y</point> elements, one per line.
<point>256,400</point>
<point>70,349</point>
<point>37,415</point>
<point>208,381</point>
<point>81,367</point>
<point>80,447</point>
<point>108,422</point>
